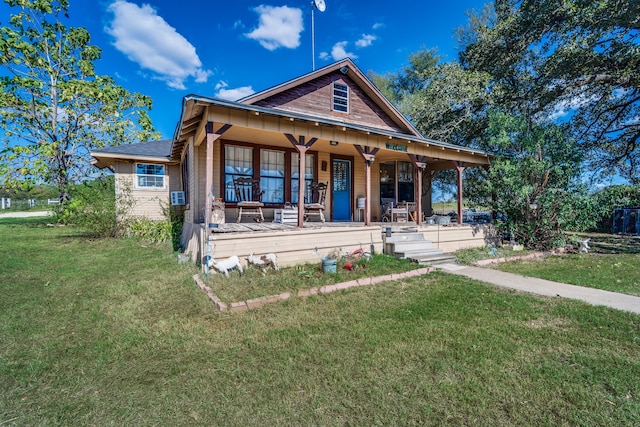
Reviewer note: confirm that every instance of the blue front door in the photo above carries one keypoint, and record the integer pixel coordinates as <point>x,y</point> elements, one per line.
<point>341,190</point>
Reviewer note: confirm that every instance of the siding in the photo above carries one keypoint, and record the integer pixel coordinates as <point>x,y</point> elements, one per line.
<point>316,98</point>
<point>148,202</point>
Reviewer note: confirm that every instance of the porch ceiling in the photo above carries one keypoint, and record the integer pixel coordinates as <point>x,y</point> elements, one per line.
<point>269,126</point>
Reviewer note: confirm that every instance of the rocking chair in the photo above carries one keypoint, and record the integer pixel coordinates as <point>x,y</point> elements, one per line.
<point>315,206</point>
<point>248,196</point>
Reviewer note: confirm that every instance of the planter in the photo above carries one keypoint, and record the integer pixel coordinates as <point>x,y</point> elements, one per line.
<point>329,265</point>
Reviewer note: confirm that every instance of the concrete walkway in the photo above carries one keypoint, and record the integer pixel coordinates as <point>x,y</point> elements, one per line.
<point>546,287</point>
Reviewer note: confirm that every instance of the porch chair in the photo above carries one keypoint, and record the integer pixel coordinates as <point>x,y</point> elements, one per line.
<point>248,197</point>
<point>315,206</point>
<point>394,213</point>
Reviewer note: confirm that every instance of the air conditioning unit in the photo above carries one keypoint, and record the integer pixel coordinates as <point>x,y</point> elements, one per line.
<point>177,198</point>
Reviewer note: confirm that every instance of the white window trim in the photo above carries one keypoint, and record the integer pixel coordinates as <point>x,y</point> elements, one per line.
<point>139,187</point>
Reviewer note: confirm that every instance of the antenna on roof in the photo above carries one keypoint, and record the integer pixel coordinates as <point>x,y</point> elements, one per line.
<point>321,6</point>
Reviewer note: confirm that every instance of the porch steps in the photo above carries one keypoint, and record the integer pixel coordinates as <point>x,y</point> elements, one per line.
<point>413,246</point>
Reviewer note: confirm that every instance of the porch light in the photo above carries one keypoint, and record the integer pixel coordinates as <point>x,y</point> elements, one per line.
<point>333,143</point>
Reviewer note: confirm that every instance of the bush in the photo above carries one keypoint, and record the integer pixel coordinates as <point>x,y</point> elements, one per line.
<point>93,206</point>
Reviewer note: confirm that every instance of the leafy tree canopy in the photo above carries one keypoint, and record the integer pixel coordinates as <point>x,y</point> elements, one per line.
<point>577,59</point>
<point>54,108</point>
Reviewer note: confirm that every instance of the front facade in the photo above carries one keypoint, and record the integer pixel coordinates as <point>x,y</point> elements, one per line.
<point>330,126</point>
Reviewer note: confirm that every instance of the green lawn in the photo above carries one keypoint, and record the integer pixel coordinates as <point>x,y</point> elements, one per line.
<point>615,273</point>
<point>114,332</point>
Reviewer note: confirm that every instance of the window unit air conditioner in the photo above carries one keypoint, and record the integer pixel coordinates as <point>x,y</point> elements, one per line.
<point>177,198</point>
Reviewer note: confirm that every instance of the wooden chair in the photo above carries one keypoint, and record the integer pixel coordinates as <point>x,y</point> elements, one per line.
<point>248,197</point>
<point>315,206</point>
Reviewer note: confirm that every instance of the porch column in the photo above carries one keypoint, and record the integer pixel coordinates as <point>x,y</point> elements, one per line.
<point>302,148</point>
<point>211,138</point>
<point>368,154</point>
<point>209,176</point>
<point>420,163</point>
<point>460,166</point>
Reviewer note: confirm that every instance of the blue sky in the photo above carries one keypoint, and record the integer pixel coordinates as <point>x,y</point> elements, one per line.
<point>230,49</point>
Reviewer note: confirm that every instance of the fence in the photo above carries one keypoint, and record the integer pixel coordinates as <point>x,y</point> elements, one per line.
<point>9,204</point>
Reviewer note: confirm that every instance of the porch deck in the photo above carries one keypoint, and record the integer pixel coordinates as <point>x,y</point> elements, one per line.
<point>309,244</point>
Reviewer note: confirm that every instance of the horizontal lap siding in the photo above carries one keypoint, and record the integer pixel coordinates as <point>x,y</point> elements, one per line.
<point>147,202</point>
<point>298,247</point>
<point>454,237</point>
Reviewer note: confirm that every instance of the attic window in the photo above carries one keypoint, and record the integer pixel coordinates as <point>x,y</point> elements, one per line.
<point>340,97</point>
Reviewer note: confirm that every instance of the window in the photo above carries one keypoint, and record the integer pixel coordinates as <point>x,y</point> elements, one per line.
<point>272,176</point>
<point>397,182</point>
<point>238,162</point>
<point>276,170</point>
<point>406,174</point>
<point>309,167</point>
<point>388,180</point>
<point>340,97</point>
<point>149,175</point>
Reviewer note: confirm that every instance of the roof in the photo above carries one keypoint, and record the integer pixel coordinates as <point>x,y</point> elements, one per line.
<point>346,67</point>
<point>157,151</point>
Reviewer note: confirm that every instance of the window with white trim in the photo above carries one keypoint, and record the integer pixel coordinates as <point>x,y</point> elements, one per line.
<point>340,97</point>
<point>149,175</point>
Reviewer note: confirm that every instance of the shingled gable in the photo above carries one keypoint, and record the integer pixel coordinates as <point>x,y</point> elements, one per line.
<point>309,93</point>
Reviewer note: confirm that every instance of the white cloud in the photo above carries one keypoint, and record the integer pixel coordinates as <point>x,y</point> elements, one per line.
<point>279,27</point>
<point>366,40</point>
<point>148,40</point>
<point>377,25</point>
<point>339,51</point>
<point>232,94</point>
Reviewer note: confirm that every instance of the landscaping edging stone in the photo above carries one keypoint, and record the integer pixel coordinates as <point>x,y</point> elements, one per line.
<point>259,302</point>
<point>488,261</point>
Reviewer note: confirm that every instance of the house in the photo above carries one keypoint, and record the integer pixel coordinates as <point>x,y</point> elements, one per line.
<point>333,124</point>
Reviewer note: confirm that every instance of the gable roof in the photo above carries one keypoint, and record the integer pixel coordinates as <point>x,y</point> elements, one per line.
<point>348,68</point>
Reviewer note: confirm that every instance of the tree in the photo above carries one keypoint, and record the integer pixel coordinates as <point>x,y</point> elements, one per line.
<point>532,177</point>
<point>441,99</point>
<point>576,60</point>
<point>54,108</point>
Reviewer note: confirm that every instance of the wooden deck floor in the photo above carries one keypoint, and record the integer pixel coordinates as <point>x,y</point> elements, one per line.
<point>245,227</point>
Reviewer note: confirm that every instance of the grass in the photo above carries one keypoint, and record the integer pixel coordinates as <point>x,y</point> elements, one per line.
<point>615,273</point>
<point>611,265</point>
<point>254,284</point>
<point>109,332</point>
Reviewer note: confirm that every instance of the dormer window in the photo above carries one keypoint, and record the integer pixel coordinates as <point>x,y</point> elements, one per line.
<point>340,97</point>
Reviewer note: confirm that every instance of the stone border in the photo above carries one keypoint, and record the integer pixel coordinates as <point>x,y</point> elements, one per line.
<point>259,302</point>
<point>488,261</point>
